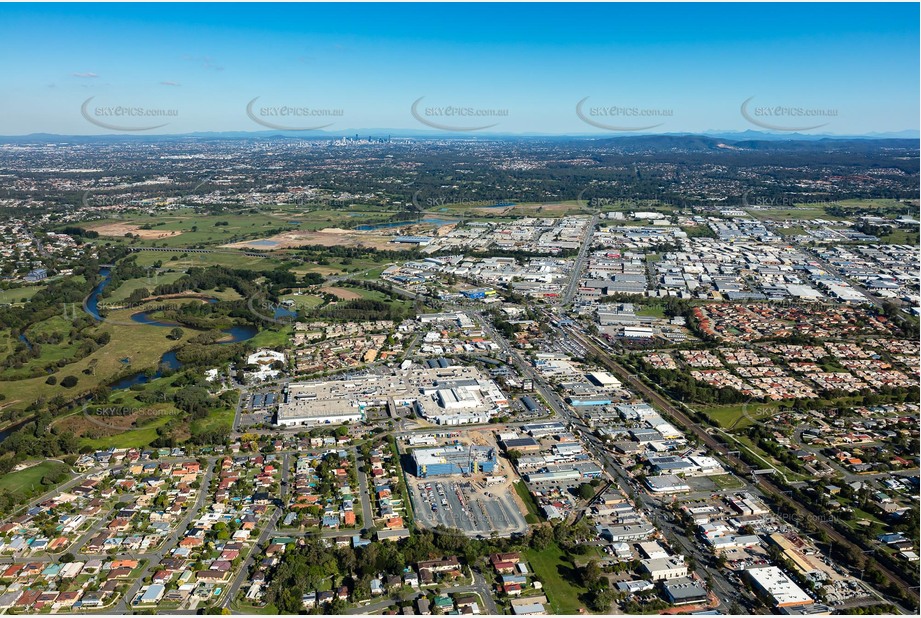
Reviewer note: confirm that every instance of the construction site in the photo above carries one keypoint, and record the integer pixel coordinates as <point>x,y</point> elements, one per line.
<point>460,482</point>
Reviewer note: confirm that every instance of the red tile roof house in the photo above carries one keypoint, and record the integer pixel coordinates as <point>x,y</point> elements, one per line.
<point>28,598</point>
<point>161,577</point>
<point>438,566</point>
<point>394,523</point>
<point>513,557</point>
<point>275,548</point>
<point>512,590</point>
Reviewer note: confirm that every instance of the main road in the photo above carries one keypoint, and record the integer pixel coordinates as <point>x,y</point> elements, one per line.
<point>762,482</point>
<point>576,273</point>
<point>269,529</point>
<point>154,559</point>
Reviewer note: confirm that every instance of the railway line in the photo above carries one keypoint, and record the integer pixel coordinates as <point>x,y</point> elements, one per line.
<point>741,467</point>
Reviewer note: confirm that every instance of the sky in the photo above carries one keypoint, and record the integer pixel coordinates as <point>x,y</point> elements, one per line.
<point>606,69</point>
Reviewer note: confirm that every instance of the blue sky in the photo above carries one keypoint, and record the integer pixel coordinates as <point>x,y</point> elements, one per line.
<point>683,67</point>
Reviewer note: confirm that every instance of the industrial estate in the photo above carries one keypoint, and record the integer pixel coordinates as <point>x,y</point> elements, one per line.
<point>449,371</point>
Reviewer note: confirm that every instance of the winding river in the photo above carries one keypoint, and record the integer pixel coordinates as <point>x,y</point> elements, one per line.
<point>235,334</point>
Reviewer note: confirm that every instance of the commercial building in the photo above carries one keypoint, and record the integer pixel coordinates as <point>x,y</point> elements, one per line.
<point>634,332</point>
<point>603,379</point>
<point>666,484</point>
<point>774,585</point>
<point>446,395</point>
<point>455,459</point>
<point>672,567</point>
<point>308,404</point>
<point>684,590</point>
<point>540,430</point>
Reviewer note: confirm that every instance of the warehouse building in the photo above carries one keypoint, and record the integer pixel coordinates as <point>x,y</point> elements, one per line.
<point>774,585</point>
<point>666,484</point>
<point>540,430</point>
<point>454,459</point>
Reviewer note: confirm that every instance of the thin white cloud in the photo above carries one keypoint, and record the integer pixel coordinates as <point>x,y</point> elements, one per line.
<point>86,75</point>
<point>206,62</point>
<point>169,83</point>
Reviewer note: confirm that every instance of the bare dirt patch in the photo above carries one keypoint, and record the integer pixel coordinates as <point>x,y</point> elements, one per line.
<point>120,229</point>
<point>328,237</point>
<point>342,293</point>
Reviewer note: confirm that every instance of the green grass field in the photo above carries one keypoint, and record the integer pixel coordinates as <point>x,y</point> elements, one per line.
<point>202,260</point>
<point>533,516</point>
<point>27,482</point>
<point>141,343</point>
<point>817,211</point>
<point>739,416</point>
<point>303,301</point>
<point>368,294</point>
<point>263,610</point>
<point>134,438</point>
<point>793,230</point>
<point>901,236</point>
<point>481,209</point>
<point>18,295</point>
<point>128,287</point>
<point>794,213</point>
<point>56,325</point>
<point>271,338</point>
<point>727,481</point>
<point>556,571</point>
<point>187,227</point>
<point>216,419</point>
<point>655,311</point>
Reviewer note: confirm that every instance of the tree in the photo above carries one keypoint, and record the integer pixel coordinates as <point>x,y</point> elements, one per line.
<point>600,600</point>
<point>69,382</point>
<point>541,538</point>
<point>591,574</point>
<point>175,333</point>
<point>586,491</point>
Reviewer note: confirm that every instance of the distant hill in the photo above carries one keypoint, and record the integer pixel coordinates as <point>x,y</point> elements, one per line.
<point>703,143</point>
<point>749,141</point>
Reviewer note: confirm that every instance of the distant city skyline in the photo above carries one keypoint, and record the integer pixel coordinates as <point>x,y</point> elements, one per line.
<point>602,69</point>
